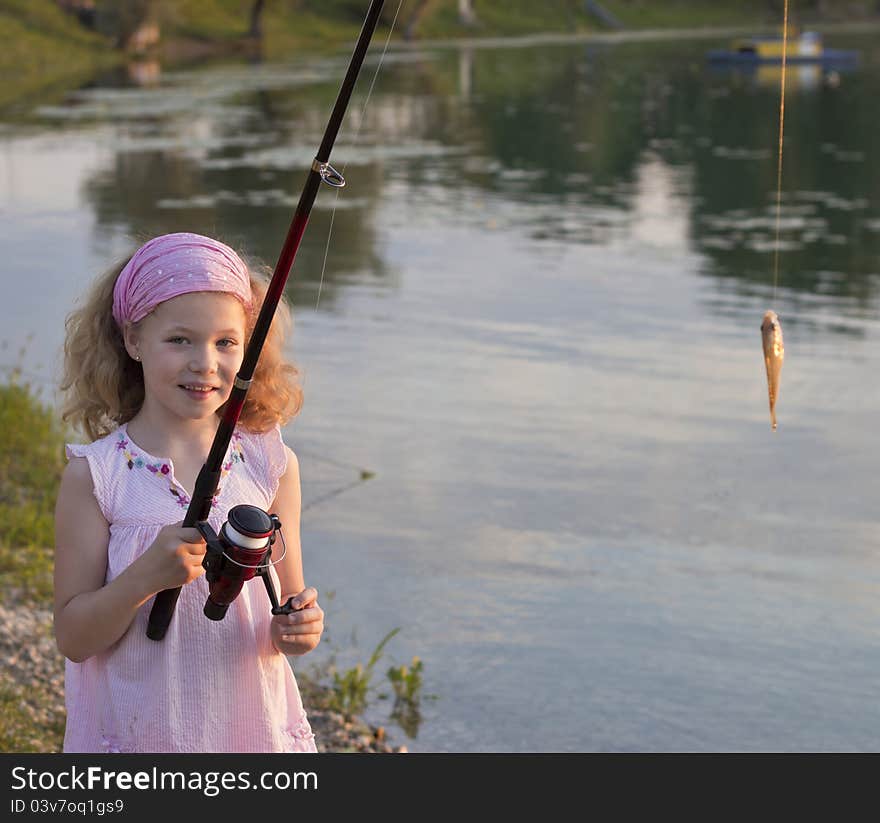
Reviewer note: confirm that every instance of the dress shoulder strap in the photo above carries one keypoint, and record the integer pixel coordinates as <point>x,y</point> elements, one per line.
<point>100,457</point>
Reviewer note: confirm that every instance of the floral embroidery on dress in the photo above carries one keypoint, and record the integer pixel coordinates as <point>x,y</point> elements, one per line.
<point>134,460</point>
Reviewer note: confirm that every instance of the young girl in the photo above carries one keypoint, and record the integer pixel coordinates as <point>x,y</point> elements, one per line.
<point>150,359</point>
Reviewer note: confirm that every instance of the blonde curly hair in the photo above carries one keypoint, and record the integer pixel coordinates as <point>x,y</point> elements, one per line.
<point>104,388</point>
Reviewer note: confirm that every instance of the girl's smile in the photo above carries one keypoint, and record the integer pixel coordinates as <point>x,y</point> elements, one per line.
<point>199,393</point>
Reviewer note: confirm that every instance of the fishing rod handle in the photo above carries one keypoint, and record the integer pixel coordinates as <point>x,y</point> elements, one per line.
<point>161,613</point>
<point>166,600</point>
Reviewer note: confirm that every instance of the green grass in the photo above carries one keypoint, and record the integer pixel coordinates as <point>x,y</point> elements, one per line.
<point>45,18</point>
<point>43,48</point>
<point>31,462</point>
<point>208,19</point>
<point>649,14</point>
<point>25,723</point>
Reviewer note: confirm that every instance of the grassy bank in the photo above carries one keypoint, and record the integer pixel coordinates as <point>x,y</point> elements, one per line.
<point>31,461</point>
<point>44,47</point>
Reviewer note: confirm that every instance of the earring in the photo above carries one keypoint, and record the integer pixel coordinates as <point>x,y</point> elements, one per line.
<point>137,357</point>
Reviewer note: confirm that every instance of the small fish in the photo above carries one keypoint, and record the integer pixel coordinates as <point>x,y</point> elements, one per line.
<point>774,354</point>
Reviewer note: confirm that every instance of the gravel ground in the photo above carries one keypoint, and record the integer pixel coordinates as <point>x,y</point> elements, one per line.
<point>33,674</point>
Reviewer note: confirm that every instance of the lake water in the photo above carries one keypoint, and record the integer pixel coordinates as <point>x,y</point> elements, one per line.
<point>538,330</point>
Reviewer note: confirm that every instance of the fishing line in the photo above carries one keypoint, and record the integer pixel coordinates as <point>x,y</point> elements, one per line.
<point>353,145</point>
<point>779,156</point>
<point>323,498</point>
<point>363,475</point>
<point>339,464</point>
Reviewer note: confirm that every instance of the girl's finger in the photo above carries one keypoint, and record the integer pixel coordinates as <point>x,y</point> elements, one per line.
<point>303,628</point>
<point>303,616</point>
<point>314,639</point>
<point>305,598</point>
<point>304,625</point>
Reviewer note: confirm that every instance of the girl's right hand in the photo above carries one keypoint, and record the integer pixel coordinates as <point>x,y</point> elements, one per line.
<point>174,558</point>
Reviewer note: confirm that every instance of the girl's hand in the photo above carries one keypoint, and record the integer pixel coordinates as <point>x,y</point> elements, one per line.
<point>174,558</point>
<point>300,631</point>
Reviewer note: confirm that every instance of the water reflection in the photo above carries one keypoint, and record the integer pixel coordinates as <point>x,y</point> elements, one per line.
<point>214,168</point>
<point>555,140</point>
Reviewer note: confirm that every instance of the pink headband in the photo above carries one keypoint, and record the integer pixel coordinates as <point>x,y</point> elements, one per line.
<point>176,264</point>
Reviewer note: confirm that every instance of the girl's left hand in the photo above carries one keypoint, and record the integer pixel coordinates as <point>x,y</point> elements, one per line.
<point>300,631</point>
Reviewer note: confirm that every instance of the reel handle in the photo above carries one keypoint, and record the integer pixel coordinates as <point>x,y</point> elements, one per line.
<point>287,608</point>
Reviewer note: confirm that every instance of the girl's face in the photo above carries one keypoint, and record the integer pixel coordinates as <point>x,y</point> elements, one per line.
<point>191,348</point>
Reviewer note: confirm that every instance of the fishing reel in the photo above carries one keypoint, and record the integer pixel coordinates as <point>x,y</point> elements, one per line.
<point>240,552</point>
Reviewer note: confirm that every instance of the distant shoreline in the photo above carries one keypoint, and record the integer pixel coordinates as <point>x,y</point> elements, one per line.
<point>630,35</point>
<point>47,52</point>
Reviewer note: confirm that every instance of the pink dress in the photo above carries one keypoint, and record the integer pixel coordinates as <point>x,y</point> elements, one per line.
<point>208,686</point>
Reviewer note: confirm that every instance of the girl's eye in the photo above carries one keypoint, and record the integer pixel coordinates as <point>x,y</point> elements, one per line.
<point>176,339</point>
<point>227,342</point>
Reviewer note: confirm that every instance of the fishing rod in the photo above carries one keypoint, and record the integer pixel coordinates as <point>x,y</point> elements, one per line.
<point>247,536</point>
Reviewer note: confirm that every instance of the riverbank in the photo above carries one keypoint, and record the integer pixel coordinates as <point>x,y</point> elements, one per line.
<point>46,49</point>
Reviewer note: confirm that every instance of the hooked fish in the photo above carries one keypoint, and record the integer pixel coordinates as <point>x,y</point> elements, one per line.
<point>774,353</point>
